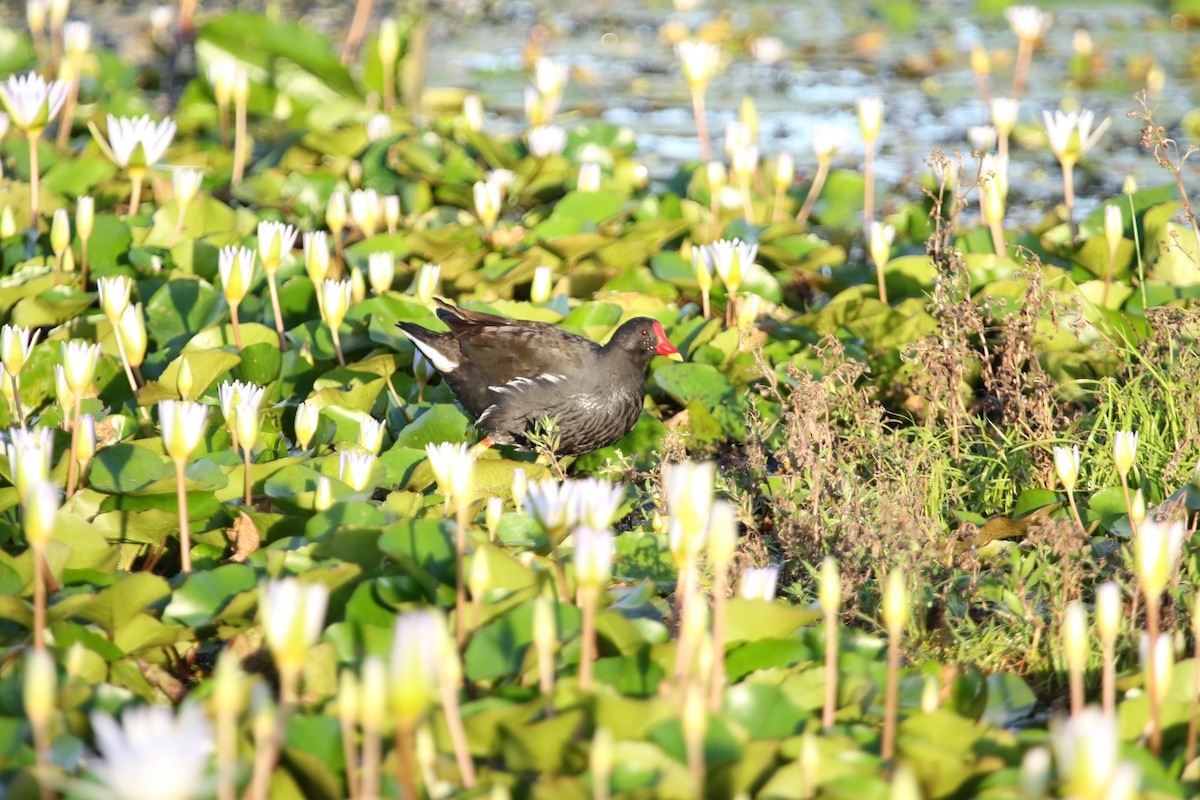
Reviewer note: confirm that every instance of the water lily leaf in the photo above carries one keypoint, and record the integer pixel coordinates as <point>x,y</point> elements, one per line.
<point>1009,700</point>
<point>441,423</point>
<point>763,710</point>
<point>205,216</point>
<point>259,363</point>
<point>498,648</point>
<point>588,207</point>
<point>206,367</point>
<point>749,620</point>
<point>115,606</point>
<point>109,243</point>
<point>632,676</point>
<point>50,308</point>
<point>204,595</point>
<point>425,544</point>
<point>292,55</point>
<point>540,746</point>
<point>126,468</point>
<point>183,307</point>
<point>644,555</point>
<point>77,176</point>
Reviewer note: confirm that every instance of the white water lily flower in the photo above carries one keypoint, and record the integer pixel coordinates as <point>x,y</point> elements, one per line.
<point>828,140</point>
<point>594,501</point>
<point>549,502</point>
<point>79,359</point>
<point>185,184</point>
<point>698,61</point>
<point>370,435</point>
<point>550,76</point>
<point>593,558</point>
<point>275,240</point>
<point>153,754</point>
<point>182,423</point>
<point>31,101</point>
<point>547,140</point>
<point>453,466</point>
<point>1071,133</point>
<point>137,141</point>
<point>354,469</point>
<point>758,583</point>
<point>293,614</point>
<point>236,267</point>
<point>29,454</point>
<point>236,393</point>
<point>1028,22</point>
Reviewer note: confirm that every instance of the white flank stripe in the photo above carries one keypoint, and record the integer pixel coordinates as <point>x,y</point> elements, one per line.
<point>439,360</point>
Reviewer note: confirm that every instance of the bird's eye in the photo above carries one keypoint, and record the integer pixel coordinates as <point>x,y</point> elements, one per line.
<point>645,332</point>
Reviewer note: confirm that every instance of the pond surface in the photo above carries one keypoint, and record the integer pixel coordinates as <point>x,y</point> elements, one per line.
<point>803,64</point>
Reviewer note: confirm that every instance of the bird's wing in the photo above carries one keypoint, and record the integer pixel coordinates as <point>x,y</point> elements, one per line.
<point>503,353</point>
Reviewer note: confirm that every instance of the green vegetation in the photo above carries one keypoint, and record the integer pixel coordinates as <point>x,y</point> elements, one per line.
<point>241,517</point>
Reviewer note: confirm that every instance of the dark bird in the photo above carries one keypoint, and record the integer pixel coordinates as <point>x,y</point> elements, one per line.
<point>511,374</point>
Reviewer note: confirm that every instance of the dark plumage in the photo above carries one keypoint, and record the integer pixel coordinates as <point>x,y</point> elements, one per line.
<point>509,374</point>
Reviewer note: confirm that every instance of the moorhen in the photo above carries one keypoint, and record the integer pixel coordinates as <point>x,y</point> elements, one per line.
<point>510,374</point>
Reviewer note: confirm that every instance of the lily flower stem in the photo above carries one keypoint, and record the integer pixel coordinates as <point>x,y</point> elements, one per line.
<point>747,202</point>
<point>716,686</point>
<point>892,697</point>
<point>337,345</point>
<point>372,756</point>
<point>17,409</point>
<point>1152,621</point>
<point>239,143</point>
<point>237,330</point>
<point>83,263</point>
<point>695,759</point>
<point>264,764</point>
<point>358,30</point>
<point>137,176</point>
<point>41,747</point>
<point>34,189</point>
<point>133,384</point>
<point>182,210</point>
<point>777,205</point>
<point>701,126</point>
<point>185,536</point>
<point>223,124</point>
<point>406,761</point>
<point>1108,679</point>
<point>73,465</point>
<point>814,191</point>
<point>246,457</point>
<point>1021,73</point>
<point>67,119</point>
<point>1066,596</point>
<point>831,672</point>
<point>683,651</point>
<point>273,286</point>
<point>389,87</point>
<point>869,189</point>
<point>460,589</point>
<point>39,597</point>
<point>458,734</point>
<point>1068,170</point>
<point>586,600</point>
<point>226,755</point>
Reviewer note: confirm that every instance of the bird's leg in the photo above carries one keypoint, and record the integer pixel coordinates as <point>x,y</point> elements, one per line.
<point>482,446</point>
